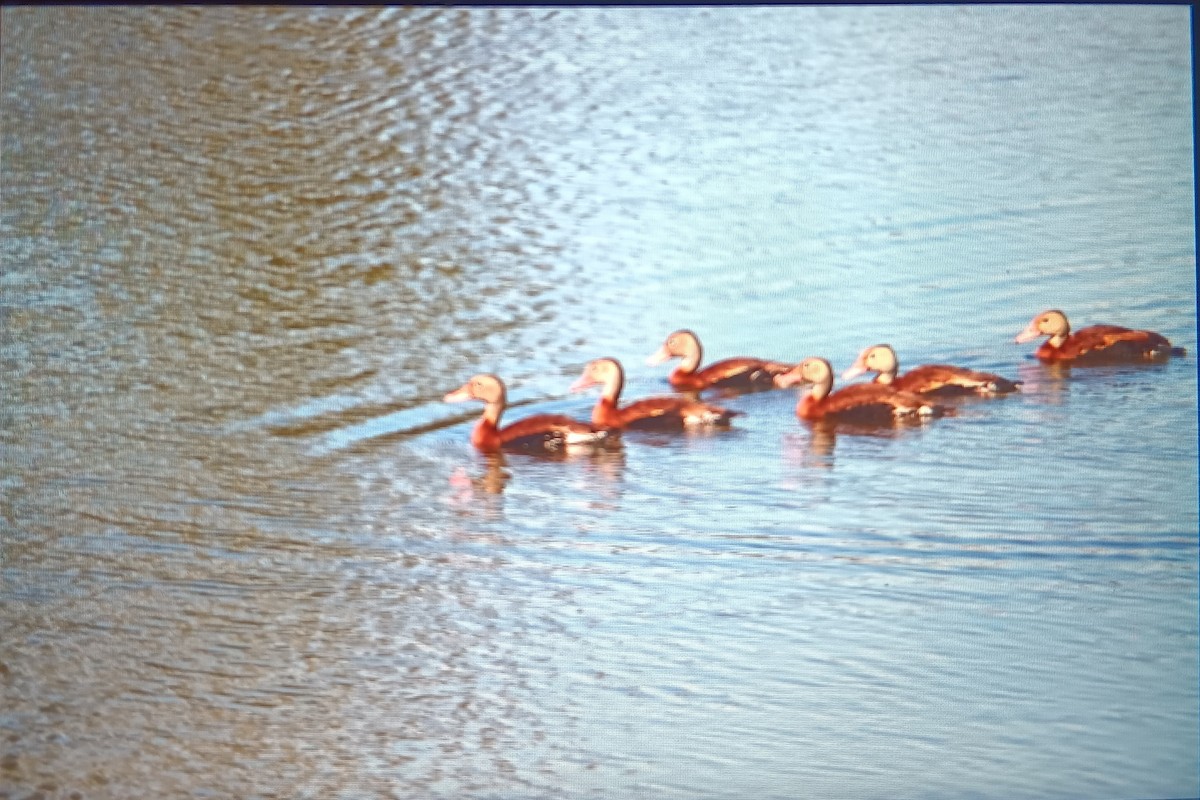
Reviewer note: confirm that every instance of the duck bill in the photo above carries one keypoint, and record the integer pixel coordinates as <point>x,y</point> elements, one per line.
<point>858,369</point>
<point>793,378</point>
<point>584,382</point>
<point>661,355</point>
<point>459,395</point>
<point>1028,335</point>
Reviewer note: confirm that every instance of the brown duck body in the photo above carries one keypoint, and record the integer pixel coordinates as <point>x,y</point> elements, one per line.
<point>729,373</point>
<point>651,412</point>
<point>1106,344</point>
<point>864,403</point>
<point>544,432</point>
<point>947,381</point>
<point>743,372</point>
<point>537,433</point>
<point>932,379</point>
<point>1095,344</point>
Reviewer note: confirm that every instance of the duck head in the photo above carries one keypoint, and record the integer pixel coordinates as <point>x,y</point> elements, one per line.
<point>484,387</point>
<point>1051,323</point>
<point>604,372</point>
<point>814,372</point>
<point>879,358</point>
<point>681,344</point>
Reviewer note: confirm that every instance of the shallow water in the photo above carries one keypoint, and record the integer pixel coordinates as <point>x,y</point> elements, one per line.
<point>247,551</point>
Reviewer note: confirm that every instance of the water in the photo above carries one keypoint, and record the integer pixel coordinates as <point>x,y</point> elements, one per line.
<point>247,551</point>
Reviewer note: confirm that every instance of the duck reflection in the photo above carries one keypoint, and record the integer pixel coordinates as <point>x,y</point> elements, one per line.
<point>1048,382</point>
<point>822,438</point>
<point>481,492</point>
<point>810,449</point>
<point>495,475</point>
<point>605,463</point>
<point>604,474</point>
<point>815,446</point>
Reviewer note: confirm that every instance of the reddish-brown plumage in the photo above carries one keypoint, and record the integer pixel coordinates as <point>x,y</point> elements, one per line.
<point>730,373</point>
<point>864,403</point>
<point>1098,343</point>
<point>933,379</point>
<point>1095,344</point>
<point>537,432</point>
<point>867,402</point>
<point>540,432</point>
<point>941,379</point>
<point>652,412</point>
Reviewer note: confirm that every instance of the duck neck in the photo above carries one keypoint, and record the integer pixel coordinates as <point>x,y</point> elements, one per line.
<point>491,414</point>
<point>486,434</point>
<point>1060,336</point>
<point>804,409</point>
<point>886,377</point>
<point>821,389</point>
<point>612,388</point>
<point>690,360</point>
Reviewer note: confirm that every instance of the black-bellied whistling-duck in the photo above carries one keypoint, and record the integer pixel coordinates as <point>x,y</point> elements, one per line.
<point>540,432</point>
<point>652,412</point>
<point>935,379</point>
<point>863,403</point>
<point>730,373</point>
<point>1095,344</point>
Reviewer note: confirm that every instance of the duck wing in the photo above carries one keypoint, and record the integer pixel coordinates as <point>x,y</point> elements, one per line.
<point>549,432</point>
<point>743,372</point>
<point>945,380</point>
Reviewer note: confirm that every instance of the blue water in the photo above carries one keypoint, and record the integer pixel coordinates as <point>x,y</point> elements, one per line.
<point>246,551</point>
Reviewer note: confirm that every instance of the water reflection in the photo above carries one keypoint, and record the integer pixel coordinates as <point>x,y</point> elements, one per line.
<point>1047,382</point>
<point>493,480</point>
<point>811,449</point>
<point>603,465</point>
<point>822,438</point>
<point>1053,383</point>
<point>607,464</point>
<point>816,447</point>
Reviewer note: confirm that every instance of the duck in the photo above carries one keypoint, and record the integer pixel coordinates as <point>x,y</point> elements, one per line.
<point>1095,344</point>
<point>862,403</point>
<point>651,412</point>
<point>730,373</point>
<point>931,379</point>
<point>547,433</point>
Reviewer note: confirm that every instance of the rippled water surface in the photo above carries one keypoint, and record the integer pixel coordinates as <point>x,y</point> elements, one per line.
<point>248,552</point>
